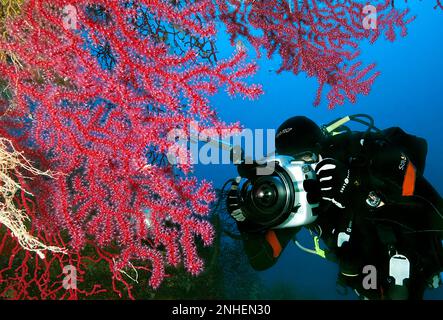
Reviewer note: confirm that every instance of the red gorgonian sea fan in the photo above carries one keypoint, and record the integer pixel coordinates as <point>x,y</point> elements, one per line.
<point>99,100</point>
<point>317,37</point>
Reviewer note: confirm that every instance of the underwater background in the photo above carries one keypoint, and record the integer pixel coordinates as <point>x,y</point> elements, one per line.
<point>123,222</point>
<point>408,94</point>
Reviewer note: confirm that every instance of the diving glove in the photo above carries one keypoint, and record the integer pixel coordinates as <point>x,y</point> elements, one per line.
<point>333,183</point>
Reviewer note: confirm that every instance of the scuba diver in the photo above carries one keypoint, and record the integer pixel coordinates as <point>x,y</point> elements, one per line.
<point>361,192</point>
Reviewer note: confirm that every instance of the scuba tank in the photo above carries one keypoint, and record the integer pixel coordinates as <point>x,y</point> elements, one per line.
<point>414,147</point>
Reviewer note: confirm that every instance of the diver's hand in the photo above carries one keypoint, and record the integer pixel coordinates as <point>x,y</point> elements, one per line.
<point>233,202</point>
<point>312,188</point>
<point>334,181</point>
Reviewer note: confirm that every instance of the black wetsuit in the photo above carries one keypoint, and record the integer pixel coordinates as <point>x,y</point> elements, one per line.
<point>391,164</point>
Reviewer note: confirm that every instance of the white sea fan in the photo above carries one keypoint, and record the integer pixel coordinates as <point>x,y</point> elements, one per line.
<point>10,216</point>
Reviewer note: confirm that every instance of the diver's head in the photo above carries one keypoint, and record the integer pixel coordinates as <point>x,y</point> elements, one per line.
<point>300,138</point>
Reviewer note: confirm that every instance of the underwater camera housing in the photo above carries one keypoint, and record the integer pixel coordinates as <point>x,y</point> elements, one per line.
<point>278,199</point>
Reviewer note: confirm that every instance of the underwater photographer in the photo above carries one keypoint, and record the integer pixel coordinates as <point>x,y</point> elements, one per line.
<point>361,192</point>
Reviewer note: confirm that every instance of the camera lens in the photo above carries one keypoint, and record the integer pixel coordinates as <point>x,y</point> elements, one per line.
<point>266,195</point>
<point>266,200</point>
